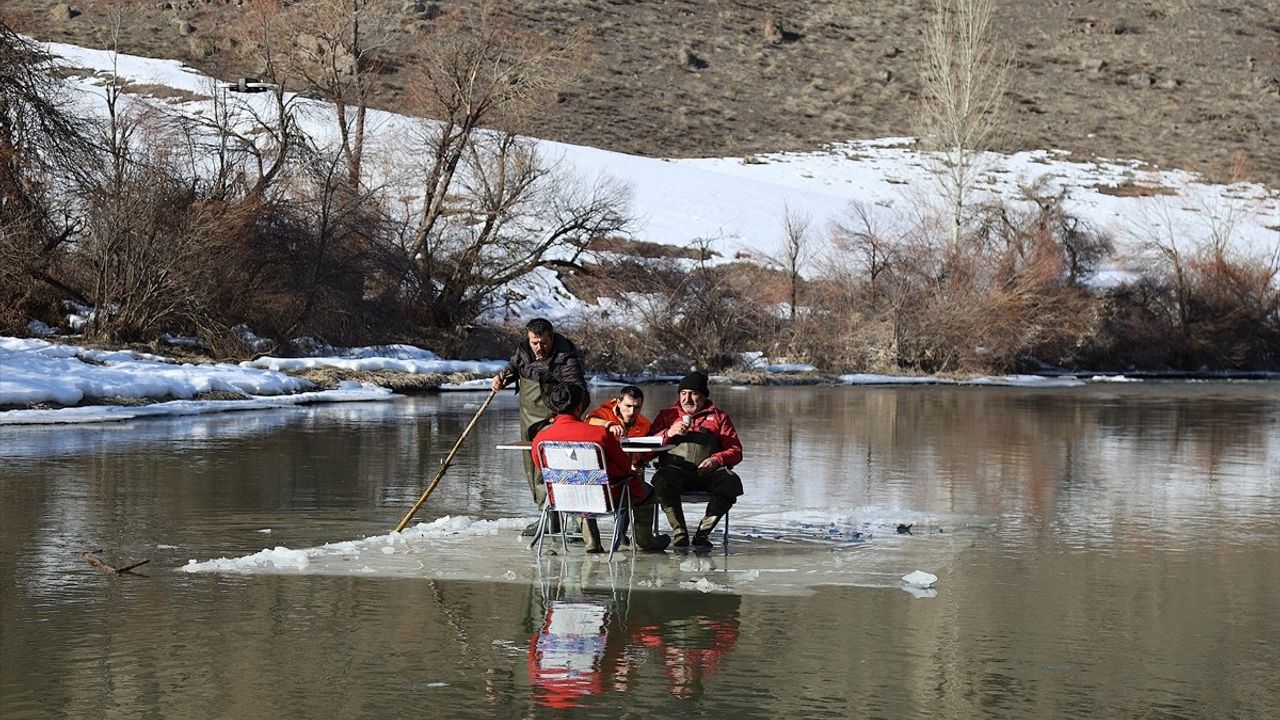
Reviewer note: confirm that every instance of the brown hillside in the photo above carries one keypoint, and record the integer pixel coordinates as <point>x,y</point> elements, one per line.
<point>1185,83</point>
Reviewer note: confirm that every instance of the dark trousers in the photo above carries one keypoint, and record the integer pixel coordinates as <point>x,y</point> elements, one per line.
<point>724,485</point>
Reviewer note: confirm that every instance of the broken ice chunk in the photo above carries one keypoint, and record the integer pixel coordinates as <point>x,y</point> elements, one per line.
<point>920,579</point>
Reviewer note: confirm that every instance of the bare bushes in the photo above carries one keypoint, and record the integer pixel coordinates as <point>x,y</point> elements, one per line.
<point>129,214</point>
<point>195,225</point>
<point>1011,295</point>
<point>1200,309</point>
<point>901,295</point>
<point>711,315</point>
<point>1234,318</point>
<point>667,315</point>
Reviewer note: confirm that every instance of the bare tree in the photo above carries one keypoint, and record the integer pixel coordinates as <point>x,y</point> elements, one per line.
<point>339,47</point>
<point>487,208</point>
<point>964,79</point>
<point>794,255</point>
<point>252,145</point>
<point>510,212</point>
<point>44,149</point>
<point>474,72</point>
<point>869,244</point>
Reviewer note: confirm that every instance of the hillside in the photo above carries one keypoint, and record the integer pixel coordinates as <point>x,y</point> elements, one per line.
<point>1193,84</point>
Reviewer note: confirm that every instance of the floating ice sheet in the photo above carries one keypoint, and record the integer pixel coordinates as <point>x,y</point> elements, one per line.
<point>770,553</point>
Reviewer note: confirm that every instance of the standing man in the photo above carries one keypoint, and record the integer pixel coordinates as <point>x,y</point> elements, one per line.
<point>546,358</point>
<point>707,448</point>
<point>569,402</point>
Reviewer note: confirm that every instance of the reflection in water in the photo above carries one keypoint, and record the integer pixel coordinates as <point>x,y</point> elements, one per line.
<point>1124,565</point>
<point>592,642</point>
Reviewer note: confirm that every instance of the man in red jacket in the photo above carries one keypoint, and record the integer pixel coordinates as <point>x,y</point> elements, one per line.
<point>569,401</point>
<point>707,448</point>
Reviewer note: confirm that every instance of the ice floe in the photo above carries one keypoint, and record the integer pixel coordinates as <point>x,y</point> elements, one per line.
<point>771,553</point>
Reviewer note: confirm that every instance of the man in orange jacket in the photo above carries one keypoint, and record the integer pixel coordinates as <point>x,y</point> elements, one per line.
<point>621,415</point>
<point>623,418</point>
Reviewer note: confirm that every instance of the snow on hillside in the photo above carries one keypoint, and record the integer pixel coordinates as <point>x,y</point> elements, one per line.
<point>740,202</point>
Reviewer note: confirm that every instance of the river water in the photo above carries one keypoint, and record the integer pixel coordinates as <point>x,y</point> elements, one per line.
<point>1106,551</point>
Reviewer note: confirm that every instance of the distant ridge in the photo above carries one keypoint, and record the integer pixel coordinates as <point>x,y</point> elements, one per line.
<point>1193,84</point>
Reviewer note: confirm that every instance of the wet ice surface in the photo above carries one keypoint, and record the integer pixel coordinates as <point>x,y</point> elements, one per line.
<point>769,553</point>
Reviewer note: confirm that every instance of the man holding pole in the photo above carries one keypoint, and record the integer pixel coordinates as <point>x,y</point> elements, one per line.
<point>546,358</point>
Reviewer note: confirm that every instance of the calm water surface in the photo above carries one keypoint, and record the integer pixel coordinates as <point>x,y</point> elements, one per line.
<point>1108,551</point>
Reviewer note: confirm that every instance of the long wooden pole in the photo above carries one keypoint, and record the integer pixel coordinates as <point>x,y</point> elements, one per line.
<point>444,464</point>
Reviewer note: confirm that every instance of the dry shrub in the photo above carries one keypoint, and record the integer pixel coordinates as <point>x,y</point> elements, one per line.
<point>712,315</point>
<point>43,150</point>
<point>1006,294</point>
<point>836,331</point>
<point>1235,313</point>
<point>1218,313</point>
<point>614,347</point>
<point>478,342</point>
<point>1136,328</point>
<point>678,312</point>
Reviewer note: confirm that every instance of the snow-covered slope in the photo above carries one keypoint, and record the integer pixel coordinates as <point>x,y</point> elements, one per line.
<point>740,202</point>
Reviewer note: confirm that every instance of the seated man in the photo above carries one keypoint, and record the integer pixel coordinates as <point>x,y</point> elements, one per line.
<point>621,416</point>
<point>707,447</point>
<point>569,401</point>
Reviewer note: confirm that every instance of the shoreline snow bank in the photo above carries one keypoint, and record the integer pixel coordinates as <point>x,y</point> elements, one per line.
<point>38,371</point>
<point>346,392</point>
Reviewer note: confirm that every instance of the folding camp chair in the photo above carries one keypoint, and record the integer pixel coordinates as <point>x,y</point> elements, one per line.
<point>698,497</point>
<point>578,485</point>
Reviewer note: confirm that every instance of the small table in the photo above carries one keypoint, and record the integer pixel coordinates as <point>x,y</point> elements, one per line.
<point>634,448</point>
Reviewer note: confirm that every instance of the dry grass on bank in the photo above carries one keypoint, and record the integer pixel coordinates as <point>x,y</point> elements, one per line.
<point>327,378</point>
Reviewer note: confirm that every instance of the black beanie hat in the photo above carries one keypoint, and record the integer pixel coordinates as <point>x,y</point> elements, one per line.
<point>695,381</point>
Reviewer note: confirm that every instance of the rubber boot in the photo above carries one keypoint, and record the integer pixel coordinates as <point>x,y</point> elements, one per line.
<point>646,541</point>
<point>573,528</point>
<point>679,531</point>
<point>702,538</point>
<point>591,535</point>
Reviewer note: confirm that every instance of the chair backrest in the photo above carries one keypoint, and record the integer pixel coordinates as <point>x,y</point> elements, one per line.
<point>576,479</point>
<point>566,455</point>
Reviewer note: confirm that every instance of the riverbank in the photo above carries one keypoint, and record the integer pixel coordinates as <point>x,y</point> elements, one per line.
<point>43,382</point>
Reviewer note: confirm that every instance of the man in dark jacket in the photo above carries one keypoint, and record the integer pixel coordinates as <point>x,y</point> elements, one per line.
<point>707,448</point>
<point>546,358</point>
